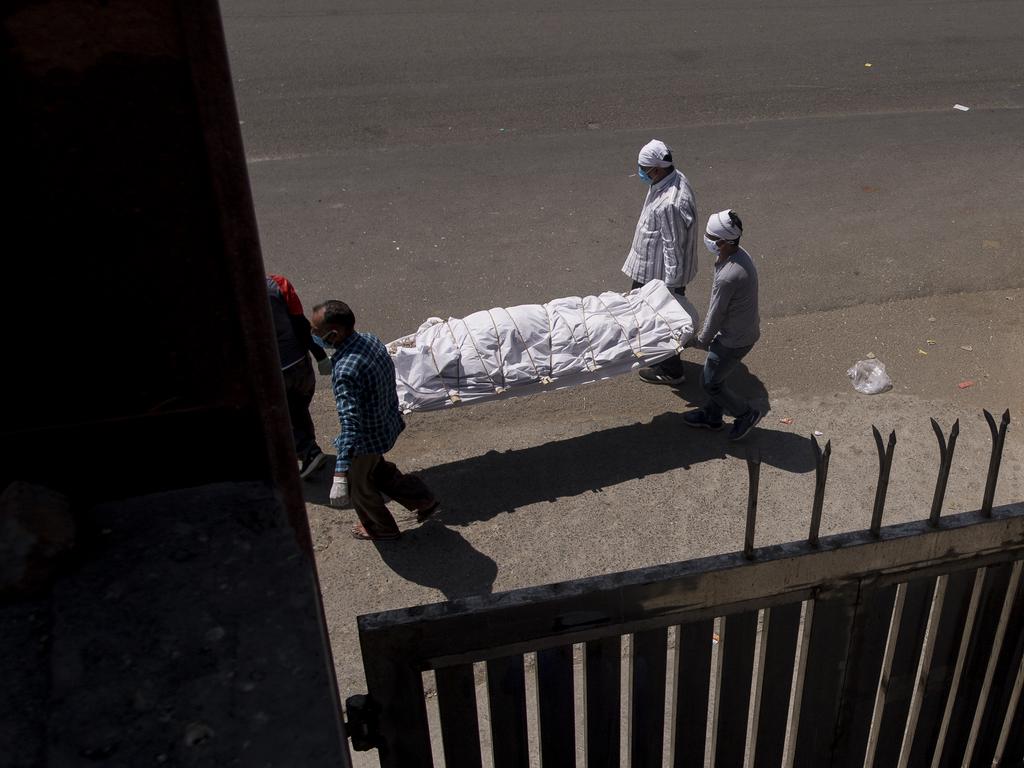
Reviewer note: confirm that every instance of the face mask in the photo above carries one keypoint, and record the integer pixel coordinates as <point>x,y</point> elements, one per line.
<point>324,341</point>
<point>711,245</point>
<point>643,175</point>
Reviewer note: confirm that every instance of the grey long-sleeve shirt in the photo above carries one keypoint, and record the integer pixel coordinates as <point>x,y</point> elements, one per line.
<point>732,315</point>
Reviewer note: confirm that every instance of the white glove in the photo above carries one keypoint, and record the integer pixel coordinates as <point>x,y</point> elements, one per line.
<point>324,366</point>
<point>339,491</point>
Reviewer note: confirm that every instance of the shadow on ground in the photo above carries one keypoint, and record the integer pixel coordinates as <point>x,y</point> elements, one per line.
<point>430,554</point>
<point>495,482</point>
<point>438,557</point>
<point>502,482</point>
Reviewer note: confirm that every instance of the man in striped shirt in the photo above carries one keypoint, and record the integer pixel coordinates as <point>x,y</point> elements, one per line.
<point>363,378</point>
<point>664,244</point>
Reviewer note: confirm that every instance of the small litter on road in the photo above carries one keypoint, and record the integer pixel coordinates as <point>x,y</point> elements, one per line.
<point>867,64</point>
<point>921,352</point>
<point>786,420</point>
<point>961,107</point>
<point>870,355</point>
<point>930,341</point>
<point>931,319</point>
<point>965,384</point>
<point>869,377</point>
<point>967,348</point>
<point>818,433</point>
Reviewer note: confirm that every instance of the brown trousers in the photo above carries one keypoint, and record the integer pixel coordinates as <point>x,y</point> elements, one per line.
<point>369,475</point>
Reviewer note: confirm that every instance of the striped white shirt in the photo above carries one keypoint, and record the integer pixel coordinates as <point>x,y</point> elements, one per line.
<point>665,243</point>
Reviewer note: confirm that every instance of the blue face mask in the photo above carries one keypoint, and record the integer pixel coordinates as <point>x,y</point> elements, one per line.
<point>327,345</point>
<point>643,175</point>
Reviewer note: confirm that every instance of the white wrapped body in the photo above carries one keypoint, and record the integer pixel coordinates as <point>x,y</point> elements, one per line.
<point>507,352</point>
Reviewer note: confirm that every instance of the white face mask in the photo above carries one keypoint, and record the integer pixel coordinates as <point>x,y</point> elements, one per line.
<point>711,245</point>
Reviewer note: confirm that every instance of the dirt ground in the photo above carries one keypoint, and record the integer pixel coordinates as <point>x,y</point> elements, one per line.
<point>606,477</point>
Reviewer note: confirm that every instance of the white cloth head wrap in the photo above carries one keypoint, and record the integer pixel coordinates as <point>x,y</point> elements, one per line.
<point>655,154</point>
<point>719,225</point>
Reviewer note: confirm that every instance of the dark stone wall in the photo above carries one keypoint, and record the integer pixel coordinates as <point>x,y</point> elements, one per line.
<point>141,388</point>
<point>131,254</point>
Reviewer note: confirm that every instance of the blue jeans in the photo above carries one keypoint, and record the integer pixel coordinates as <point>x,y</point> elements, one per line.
<point>718,367</point>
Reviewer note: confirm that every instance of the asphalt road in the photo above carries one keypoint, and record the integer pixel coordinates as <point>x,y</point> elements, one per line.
<point>434,159</point>
<point>422,159</point>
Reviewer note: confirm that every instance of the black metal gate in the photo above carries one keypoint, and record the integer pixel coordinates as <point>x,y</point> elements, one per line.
<point>895,646</point>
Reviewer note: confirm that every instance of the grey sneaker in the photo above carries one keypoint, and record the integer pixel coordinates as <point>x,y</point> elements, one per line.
<point>657,375</point>
<point>742,426</point>
<point>700,420</point>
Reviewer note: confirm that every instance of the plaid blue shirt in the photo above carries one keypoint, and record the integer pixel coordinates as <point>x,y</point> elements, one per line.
<point>363,378</point>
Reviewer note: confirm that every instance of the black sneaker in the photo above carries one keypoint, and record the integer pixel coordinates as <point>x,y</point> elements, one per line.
<point>313,461</point>
<point>658,375</point>
<point>742,426</point>
<point>700,420</point>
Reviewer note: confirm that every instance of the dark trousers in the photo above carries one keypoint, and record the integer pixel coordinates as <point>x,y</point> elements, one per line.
<point>680,291</point>
<point>369,475</point>
<point>718,367</point>
<point>299,386</point>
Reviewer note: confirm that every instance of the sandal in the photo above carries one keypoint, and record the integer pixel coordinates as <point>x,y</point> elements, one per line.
<point>423,514</point>
<point>361,534</point>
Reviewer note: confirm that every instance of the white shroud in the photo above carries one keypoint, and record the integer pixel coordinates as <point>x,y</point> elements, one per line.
<point>534,347</point>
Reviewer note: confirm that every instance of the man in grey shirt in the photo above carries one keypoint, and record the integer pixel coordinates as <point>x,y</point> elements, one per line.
<point>731,328</point>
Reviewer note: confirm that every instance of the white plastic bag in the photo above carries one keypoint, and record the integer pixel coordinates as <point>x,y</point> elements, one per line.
<point>869,377</point>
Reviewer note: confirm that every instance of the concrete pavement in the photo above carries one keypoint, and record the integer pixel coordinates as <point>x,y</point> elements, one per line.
<point>423,161</point>
<point>605,477</point>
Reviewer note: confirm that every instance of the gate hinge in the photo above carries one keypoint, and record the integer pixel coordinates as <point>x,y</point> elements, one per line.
<point>361,722</point>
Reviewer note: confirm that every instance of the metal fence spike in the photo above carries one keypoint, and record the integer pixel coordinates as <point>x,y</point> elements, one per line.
<point>884,465</point>
<point>754,476</point>
<point>945,464</point>
<point>820,476</point>
<point>998,438</point>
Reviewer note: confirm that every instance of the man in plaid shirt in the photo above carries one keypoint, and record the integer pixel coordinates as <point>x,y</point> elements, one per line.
<point>363,378</point>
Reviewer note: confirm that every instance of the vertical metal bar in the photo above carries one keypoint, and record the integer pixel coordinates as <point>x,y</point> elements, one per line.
<point>923,668</point>
<point>555,707</point>
<point>883,676</point>
<point>715,694</point>
<point>1011,712</point>
<point>460,729</point>
<point>997,645</point>
<point>754,475</point>
<point>780,637</point>
<point>945,463</point>
<point>965,641</point>
<point>799,677</point>
<point>865,658</point>
<point>602,704</point>
<point>820,476</point>
<point>998,438</point>
<point>736,657</point>
<point>506,697</point>
<point>397,687</point>
<point>690,698</point>
<point>884,465</point>
<point>757,686</point>
<point>647,703</point>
